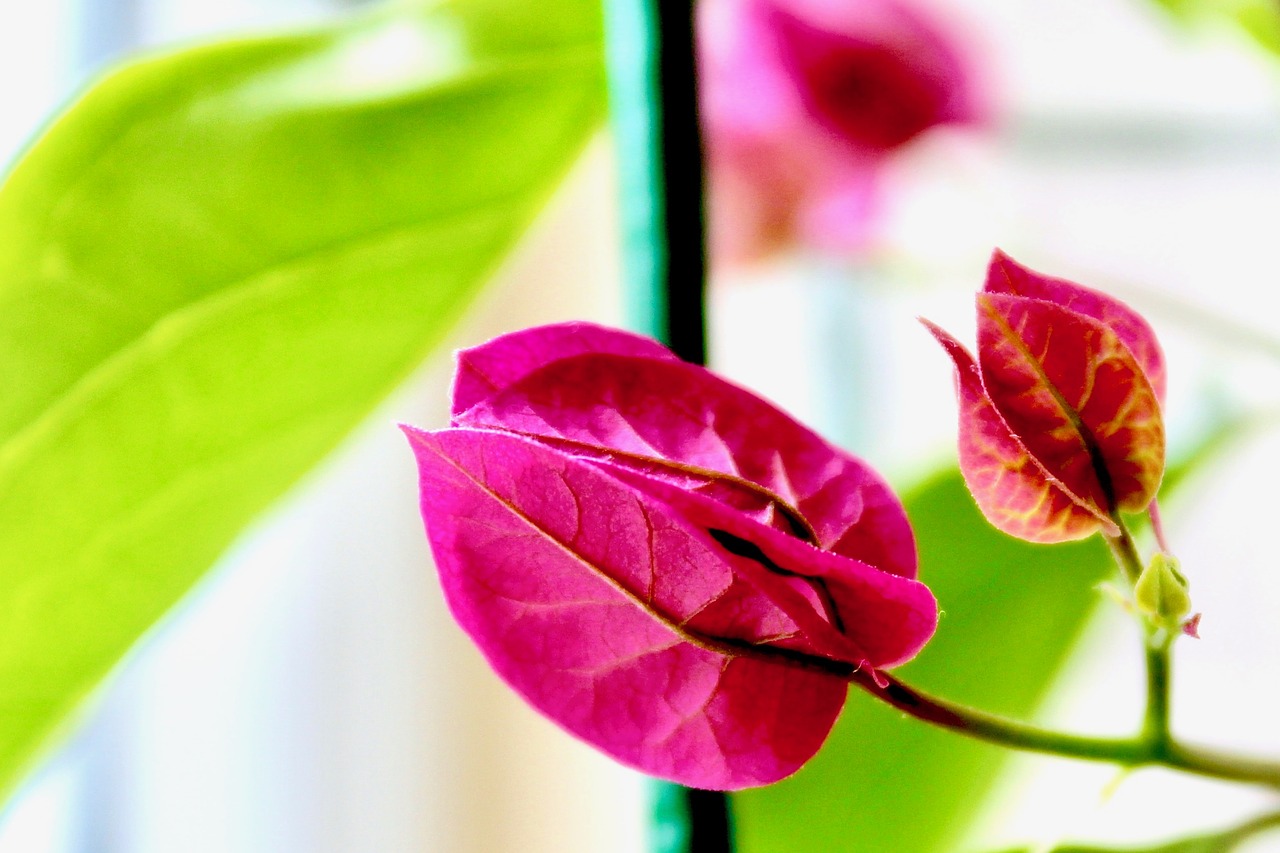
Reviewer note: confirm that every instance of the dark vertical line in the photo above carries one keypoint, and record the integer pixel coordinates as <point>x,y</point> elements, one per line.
<point>680,146</point>
<point>684,284</point>
<point>654,106</point>
<point>709,827</point>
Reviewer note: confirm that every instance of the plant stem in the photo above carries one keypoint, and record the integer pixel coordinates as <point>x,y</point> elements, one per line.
<point>1155,722</point>
<point>1220,765</point>
<point>1128,752</point>
<point>1142,749</point>
<point>1124,551</point>
<point>1154,745</point>
<point>1156,643</point>
<point>1157,526</point>
<point>1000,730</point>
<point>1248,829</point>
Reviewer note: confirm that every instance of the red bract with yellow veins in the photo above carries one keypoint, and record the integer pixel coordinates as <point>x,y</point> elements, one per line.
<point>663,563</point>
<point>1060,414</point>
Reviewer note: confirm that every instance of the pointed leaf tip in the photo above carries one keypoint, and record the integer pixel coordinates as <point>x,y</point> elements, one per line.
<point>1005,275</point>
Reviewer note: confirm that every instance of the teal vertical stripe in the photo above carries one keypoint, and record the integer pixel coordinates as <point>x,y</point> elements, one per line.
<point>670,827</point>
<point>653,102</point>
<point>635,111</point>
<point>631,37</point>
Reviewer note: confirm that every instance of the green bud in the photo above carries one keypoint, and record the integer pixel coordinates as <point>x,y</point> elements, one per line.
<point>1161,592</point>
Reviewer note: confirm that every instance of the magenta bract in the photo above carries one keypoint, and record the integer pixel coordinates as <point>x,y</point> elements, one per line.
<point>663,563</point>
<point>877,73</point>
<point>1060,415</point>
<point>803,102</point>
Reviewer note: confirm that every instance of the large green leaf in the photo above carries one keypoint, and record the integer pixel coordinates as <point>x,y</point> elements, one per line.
<point>885,782</point>
<point>215,264</point>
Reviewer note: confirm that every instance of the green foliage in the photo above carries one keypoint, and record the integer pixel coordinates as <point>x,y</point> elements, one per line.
<point>1259,19</point>
<point>1011,611</point>
<point>214,265</point>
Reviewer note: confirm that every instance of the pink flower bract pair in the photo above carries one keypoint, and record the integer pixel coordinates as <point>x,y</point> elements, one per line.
<point>663,563</point>
<point>1060,414</point>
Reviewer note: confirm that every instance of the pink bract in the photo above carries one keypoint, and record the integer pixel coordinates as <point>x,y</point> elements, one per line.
<point>802,102</point>
<point>1060,415</point>
<point>663,563</point>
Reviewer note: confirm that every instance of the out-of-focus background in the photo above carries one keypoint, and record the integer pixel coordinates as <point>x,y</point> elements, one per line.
<point>313,694</point>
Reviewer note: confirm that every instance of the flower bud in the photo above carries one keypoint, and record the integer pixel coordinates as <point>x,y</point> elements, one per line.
<point>1162,592</point>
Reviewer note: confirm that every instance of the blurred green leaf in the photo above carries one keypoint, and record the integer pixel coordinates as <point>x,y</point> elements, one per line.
<point>1259,19</point>
<point>214,265</point>
<point>1011,611</point>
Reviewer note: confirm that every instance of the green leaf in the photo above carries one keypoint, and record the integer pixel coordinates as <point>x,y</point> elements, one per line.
<point>1259,19</point>
<point>1011,611</point>
<point>214,265</point>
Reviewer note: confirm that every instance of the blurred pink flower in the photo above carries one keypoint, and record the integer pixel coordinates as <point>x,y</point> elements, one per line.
<point>803,100</point>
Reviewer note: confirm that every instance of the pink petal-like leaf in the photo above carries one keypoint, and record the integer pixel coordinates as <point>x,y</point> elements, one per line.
<point>1005,275</point>
<point>877,74</point>
<point>664,410</point>
<point>1072,392</point>
<point>1013,490</point>
<point>492,366</point>
<point>591,598</point>
<point>660,561</point>
<point>863,614</point>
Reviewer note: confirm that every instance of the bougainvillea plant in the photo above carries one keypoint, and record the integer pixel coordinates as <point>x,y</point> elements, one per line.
<point>684,576</point>
<point>643,569</point>
<point>1060,415</point>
